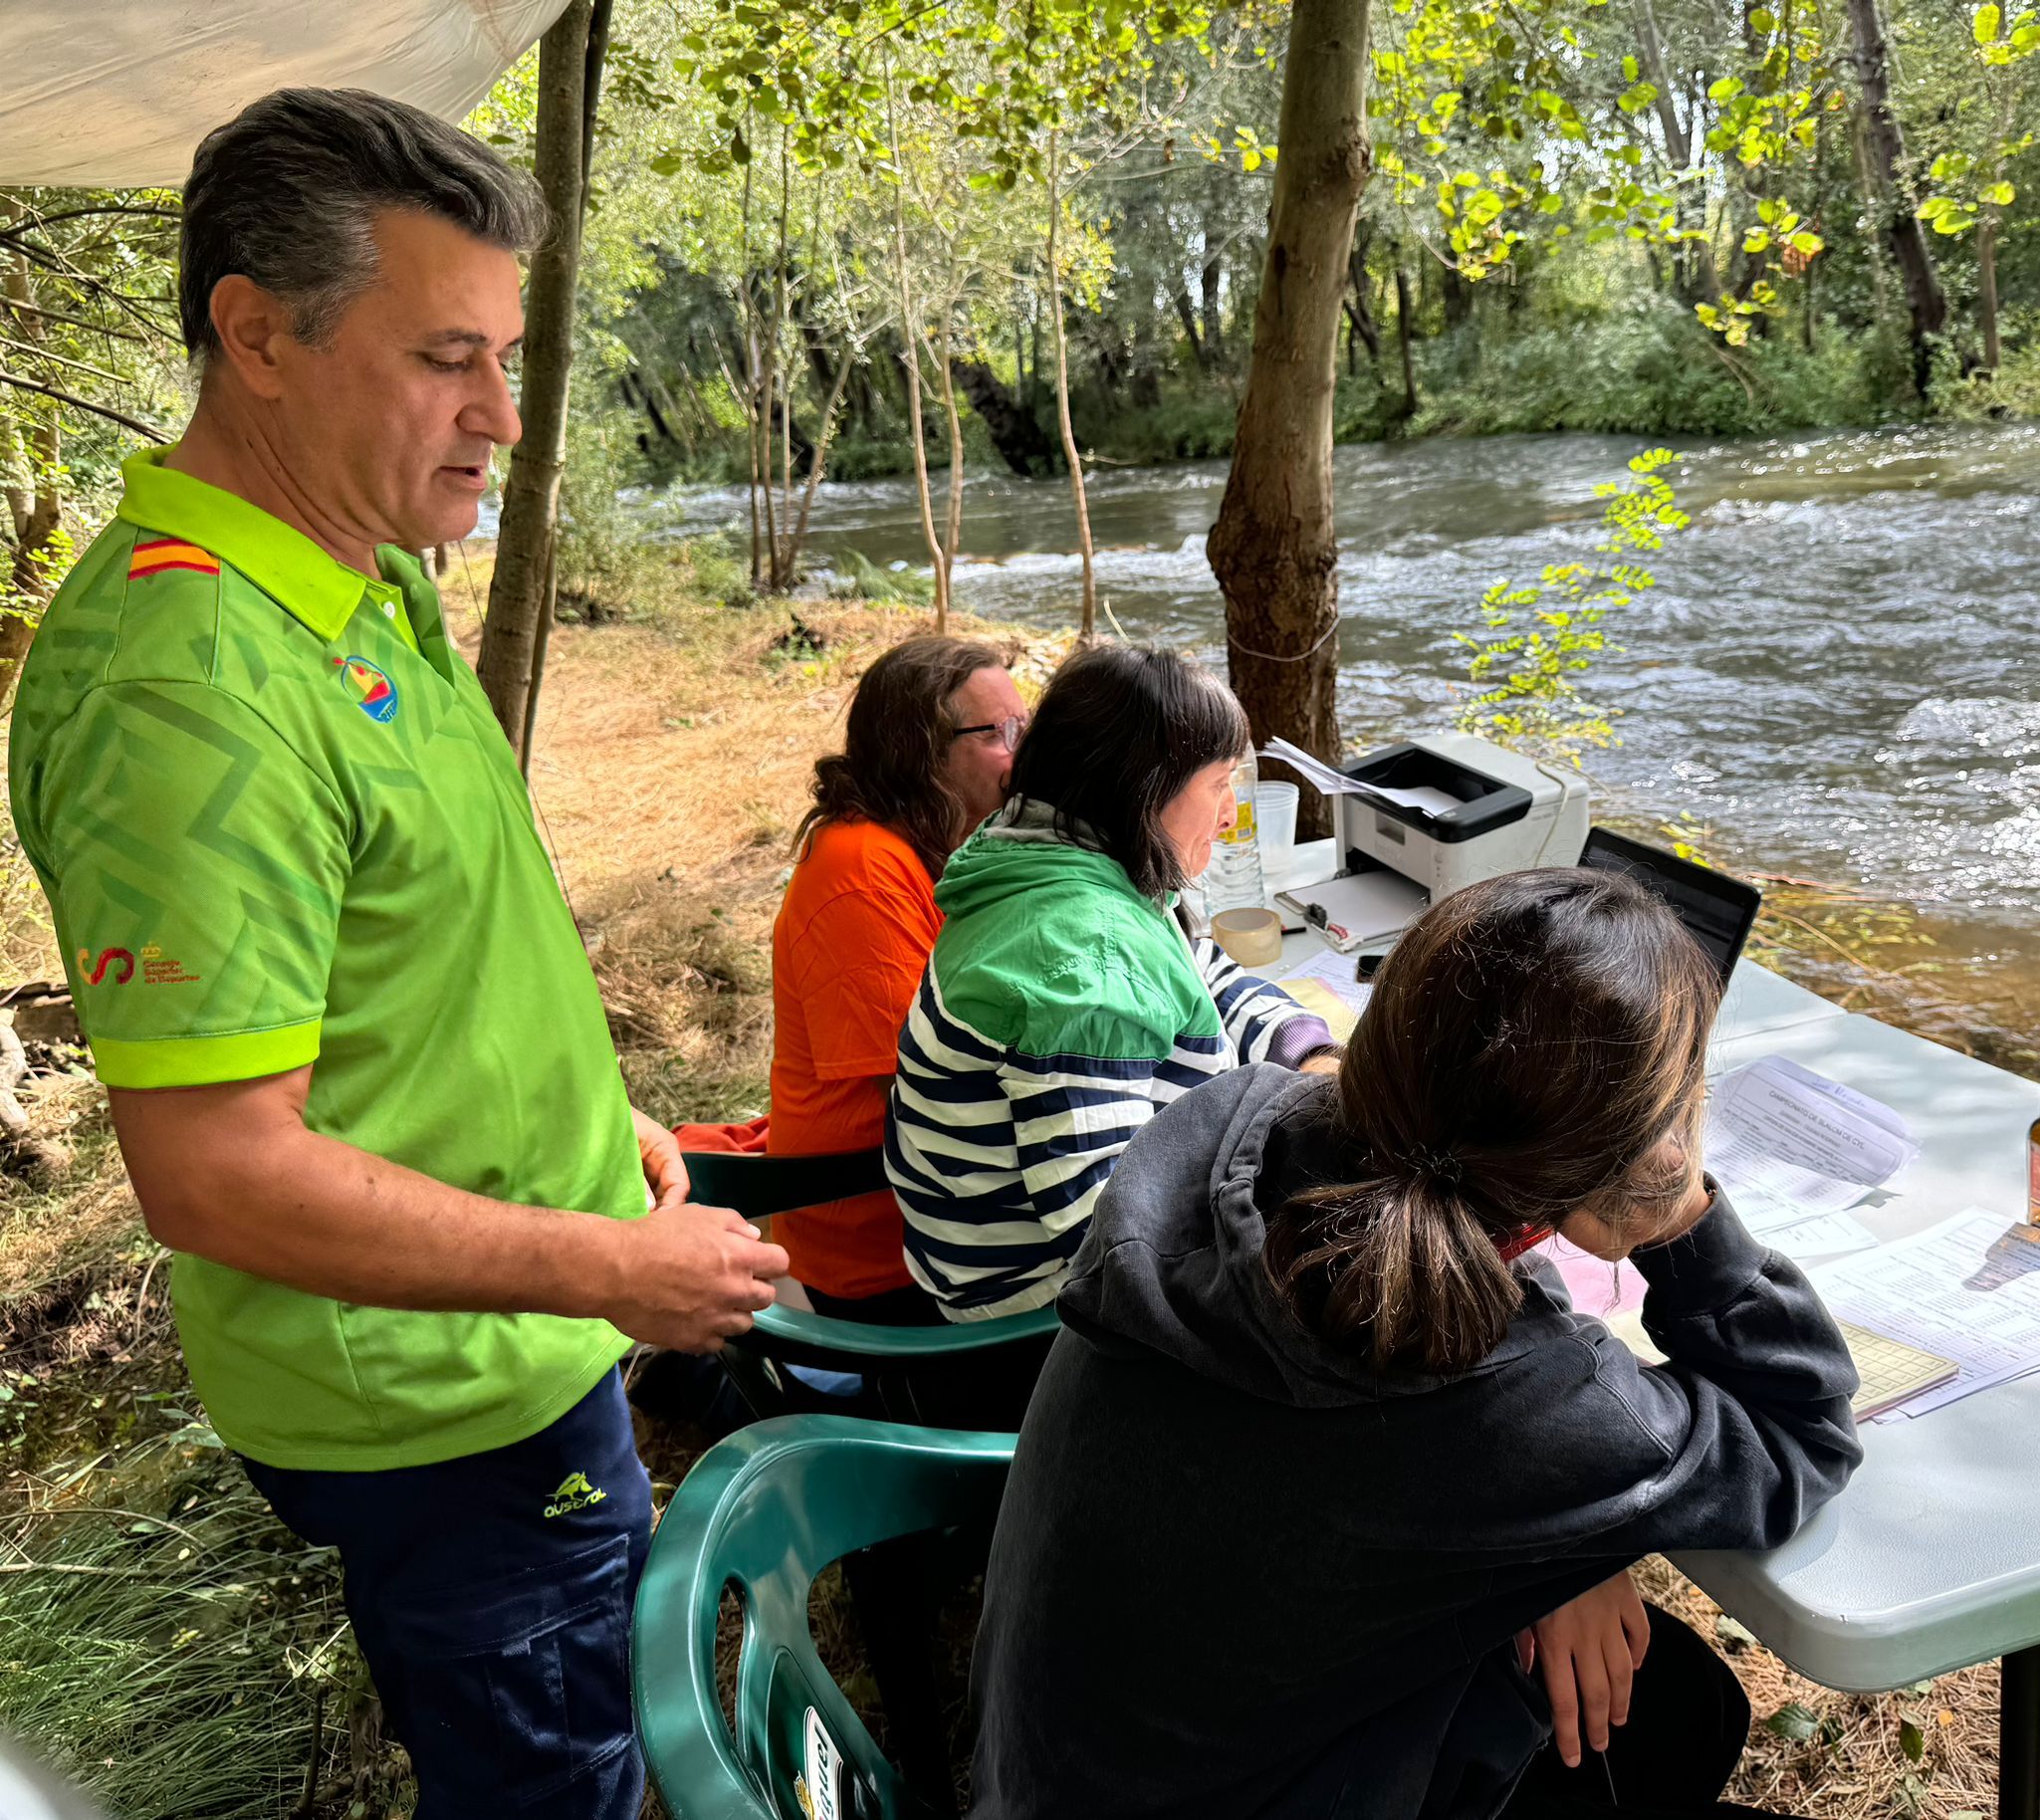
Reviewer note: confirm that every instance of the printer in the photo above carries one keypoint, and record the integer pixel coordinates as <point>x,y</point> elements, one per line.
<point>1419,820</point>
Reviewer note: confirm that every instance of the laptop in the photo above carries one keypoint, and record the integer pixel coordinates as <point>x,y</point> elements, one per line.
<point>1717,911</point>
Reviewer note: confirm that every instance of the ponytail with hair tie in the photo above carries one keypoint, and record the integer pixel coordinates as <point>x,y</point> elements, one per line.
<point>1541,1032</point>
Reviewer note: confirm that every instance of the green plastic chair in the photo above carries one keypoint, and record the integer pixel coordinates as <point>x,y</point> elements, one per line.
<point>766,1511</point>
<point>885,1356</point>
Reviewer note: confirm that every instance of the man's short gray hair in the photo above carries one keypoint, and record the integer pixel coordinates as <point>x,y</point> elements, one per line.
<point>287,193</point>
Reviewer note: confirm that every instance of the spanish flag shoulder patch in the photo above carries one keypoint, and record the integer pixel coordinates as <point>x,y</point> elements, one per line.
<point>152,556</point>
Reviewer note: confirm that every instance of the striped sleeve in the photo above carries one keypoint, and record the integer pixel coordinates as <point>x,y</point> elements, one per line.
<point>997,1157</point>
<point>1264,1021</point>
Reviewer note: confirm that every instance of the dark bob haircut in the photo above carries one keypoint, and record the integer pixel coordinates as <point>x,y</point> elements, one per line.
<point>1120,730</point>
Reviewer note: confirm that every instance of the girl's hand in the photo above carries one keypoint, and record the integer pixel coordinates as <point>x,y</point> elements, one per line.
<point>1596,1236</point>
<point>1589,1649</point>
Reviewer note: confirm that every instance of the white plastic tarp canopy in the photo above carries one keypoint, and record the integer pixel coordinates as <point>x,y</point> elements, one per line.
<point>118,93</point>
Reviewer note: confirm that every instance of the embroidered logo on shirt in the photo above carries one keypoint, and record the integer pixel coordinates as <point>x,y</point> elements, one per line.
<point>95,971</point>
<point>159,969</point>
<point>373,691</point>
<point>155,555</point>
<point>575,1493</point>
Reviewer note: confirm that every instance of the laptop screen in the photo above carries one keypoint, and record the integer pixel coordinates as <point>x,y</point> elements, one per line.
<point>1718,910</point>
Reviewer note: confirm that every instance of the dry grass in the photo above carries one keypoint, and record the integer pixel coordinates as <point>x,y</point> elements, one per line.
<point>1845,1756</point>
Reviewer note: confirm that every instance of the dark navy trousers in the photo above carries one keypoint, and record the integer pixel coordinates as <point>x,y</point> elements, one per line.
<point>491,1596</point>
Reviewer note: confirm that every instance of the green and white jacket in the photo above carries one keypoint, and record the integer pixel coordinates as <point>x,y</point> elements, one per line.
<point>1060,1012</point>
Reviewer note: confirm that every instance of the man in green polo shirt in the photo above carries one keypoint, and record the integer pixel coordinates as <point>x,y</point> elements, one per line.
<point>358,1063</point>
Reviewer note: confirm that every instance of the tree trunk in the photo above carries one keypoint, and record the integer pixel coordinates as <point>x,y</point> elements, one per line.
<point>36,510</point>
<point>1274,549</point>
<point>910,336</point>
<point>1874,249</point>
<point>1458,297</point>
<point>1986,290</point>
<point>1924,299</point>
<point>1696,263</point>
<point>1212,280</point>
<point>1187,317</point>
<point>1364,324</point>
<point>820,461</point>
<point>778,393</point>
<point>1014,431</point>
<point>1406,407</point>
<point>953,520</point>
<point>1087,619</point>
<point>518,597</point>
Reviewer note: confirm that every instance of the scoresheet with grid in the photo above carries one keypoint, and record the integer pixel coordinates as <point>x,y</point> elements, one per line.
<point>1890,1370</point>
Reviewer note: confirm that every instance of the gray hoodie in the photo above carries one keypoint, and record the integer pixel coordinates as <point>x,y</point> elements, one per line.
<point>1239,1573</point>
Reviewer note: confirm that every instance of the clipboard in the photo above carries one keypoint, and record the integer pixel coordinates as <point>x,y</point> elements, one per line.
<point>1356,908</point>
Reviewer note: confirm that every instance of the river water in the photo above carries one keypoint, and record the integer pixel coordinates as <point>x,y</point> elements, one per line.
<point>1838,671</point>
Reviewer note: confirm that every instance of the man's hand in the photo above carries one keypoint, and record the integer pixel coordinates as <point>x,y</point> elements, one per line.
<point>1589,1649</point>
<point>658,1150</point>
<point>1325,1061</point>
<point>693,1276</point>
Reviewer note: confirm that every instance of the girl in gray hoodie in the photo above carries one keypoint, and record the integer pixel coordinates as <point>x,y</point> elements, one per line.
<point>1321,1439</point>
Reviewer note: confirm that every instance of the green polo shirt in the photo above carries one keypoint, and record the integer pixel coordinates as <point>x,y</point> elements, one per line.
<point>277,824</point>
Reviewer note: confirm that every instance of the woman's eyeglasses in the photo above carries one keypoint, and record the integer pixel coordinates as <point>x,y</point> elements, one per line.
<point>1008,730</point>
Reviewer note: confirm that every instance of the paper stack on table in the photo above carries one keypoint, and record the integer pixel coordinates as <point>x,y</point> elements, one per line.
<point>1795,1149</point>
<point>1326,984</point>
<point>1946,1291</point>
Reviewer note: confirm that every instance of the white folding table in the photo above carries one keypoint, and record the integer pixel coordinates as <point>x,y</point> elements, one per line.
<point>1929,1560</point>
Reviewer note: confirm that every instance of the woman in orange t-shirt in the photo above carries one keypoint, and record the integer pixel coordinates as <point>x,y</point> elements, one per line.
<point>926,757</point>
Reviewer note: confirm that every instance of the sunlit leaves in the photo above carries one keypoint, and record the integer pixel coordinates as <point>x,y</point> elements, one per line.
<point>1543,636</point>
<point>1969,178</point>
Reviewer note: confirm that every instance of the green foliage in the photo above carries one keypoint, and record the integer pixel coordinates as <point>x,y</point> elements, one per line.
<point>1650,369</point>
<point>1986,134</point>
<point>857,578</point>
<point>1541,637</point>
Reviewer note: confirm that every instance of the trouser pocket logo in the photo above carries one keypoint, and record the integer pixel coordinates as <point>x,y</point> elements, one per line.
<point>575,1493</point>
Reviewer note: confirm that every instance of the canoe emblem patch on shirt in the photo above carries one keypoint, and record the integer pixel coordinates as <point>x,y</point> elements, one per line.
<point>154,556</point>
<point>373,691</point>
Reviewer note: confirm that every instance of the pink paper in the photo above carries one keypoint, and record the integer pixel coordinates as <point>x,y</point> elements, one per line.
<point>1596,1287</point>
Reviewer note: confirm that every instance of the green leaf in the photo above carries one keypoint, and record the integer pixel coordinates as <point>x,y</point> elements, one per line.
<point>1726,89</point>
<point>1806,243</point>
<point>1986,24</point>
<point>1763,20</point>
<point>1550,206</point>
<point>1757,240</point>
<point>1911,1740</point>
<point>1629,69</point>
<point>1791,1721</point>
<point>1999,194</point>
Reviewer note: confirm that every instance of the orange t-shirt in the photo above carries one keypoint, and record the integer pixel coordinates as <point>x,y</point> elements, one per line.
<point>847,954</point>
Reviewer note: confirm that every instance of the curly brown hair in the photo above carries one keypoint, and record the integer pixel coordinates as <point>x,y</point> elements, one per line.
<point>896,749</point>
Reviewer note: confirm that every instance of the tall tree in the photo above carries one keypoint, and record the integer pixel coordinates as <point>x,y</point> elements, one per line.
<point>511,659</point>
<point>1087,606</point>
<point>1926,300</point>
<point>1274,548</point>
